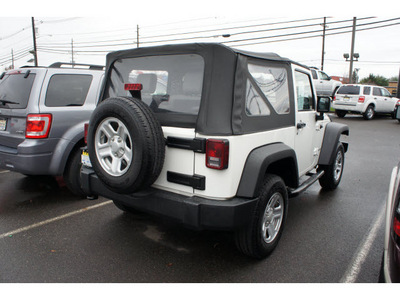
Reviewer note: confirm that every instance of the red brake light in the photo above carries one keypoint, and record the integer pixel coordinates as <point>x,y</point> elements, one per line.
<point>133,86</point>
<point>38,126</point>
<point>361,99</point>
<point>217,154</point>
<point>396,226</point>
<point>86,131</point>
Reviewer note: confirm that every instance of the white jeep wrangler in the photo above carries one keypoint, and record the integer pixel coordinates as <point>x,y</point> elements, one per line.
<point>212,137</point>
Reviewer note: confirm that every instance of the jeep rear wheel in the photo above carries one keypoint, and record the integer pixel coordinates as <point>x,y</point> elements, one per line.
<point>259,238</point>
<point>126,144</point>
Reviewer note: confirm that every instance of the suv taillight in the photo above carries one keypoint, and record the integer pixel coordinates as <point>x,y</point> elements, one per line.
<point>86,131</point>
<point>361,99</point>
<point>217,154</point>
<point>38,126</point>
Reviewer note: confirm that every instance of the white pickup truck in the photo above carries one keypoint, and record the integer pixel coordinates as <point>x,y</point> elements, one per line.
<point>324,84</point>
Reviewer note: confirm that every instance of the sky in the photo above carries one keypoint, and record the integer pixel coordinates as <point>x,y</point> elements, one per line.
<point>77,26</point>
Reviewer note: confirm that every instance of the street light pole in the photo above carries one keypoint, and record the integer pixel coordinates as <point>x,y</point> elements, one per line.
<point>34,43</point>
<point>353,37</point>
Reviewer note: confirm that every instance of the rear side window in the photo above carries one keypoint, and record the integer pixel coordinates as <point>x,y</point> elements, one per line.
<point>349,90</point>
<point>67,90</point>
<point>15,90</point>
<point>367,90</point>
<point>273,83</point>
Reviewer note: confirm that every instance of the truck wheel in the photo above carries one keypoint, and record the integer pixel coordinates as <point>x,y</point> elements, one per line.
<point>259,238</point>
<point>341,113</point>
<point>369,113</point>
<point>72,171</point>
<point>125,144</point>
<point>333,172</point>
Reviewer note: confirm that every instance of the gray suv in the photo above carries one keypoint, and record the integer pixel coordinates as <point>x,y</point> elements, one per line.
<point>42,112</point>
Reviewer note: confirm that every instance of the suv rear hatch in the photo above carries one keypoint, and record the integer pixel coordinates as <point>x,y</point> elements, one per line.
<point>348,95</point>
<point>15,91</point>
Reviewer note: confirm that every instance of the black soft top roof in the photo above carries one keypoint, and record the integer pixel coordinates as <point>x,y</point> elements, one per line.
<point>185,48</point>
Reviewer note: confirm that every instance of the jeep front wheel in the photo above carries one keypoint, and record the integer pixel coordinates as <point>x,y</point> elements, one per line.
<point>333,172</point>
<point>126,144</point>
<point>259,238</point>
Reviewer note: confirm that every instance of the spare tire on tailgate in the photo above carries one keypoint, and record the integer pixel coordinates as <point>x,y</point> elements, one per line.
<point>126,144</point>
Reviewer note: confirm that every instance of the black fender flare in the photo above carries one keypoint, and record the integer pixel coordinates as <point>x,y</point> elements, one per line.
<point>276,158</point>
<point>333,131</point>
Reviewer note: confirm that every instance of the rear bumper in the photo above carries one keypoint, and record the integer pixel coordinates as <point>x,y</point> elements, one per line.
<point>194,212</point>
<point>358,108</point>
<point>29,164</point>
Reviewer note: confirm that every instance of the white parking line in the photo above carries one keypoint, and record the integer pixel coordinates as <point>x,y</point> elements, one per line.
<point>26,228</point>
<point>361,254</point>
<point>5,171</point>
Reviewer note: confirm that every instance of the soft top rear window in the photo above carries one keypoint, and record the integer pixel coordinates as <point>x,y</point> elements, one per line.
<point>172,84</point>
<point>15,90</point>
<point>349,90</point>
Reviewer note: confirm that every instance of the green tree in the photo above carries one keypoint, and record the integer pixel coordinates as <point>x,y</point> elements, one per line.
<point>375,80</point>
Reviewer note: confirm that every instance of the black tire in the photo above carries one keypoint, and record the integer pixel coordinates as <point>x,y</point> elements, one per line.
<point>369,113</point>
<point>340,113</point>
<point>128,127</point>
<point>253,240</point>
<point>333,172</point>
<point>72,171</point>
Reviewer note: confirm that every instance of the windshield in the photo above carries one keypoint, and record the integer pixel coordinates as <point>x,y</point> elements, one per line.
<point>172,84</point>
<point>349,90</point>
<point>15,90</point>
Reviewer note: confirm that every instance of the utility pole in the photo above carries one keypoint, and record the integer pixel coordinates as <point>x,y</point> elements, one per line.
<point>12,59</point>
<point>353,37</point>
<point>323,44</point>
<point>72,52</point>
<point>34,43</point>
<point>137,36</point>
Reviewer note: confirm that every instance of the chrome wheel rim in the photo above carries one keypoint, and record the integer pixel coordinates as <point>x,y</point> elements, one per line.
<point>370,113</point>
<point>113,146</point>
<point>338,166</point>
<point>272,218</point>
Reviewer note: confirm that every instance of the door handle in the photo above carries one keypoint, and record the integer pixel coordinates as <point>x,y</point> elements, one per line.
<point>301,125</point>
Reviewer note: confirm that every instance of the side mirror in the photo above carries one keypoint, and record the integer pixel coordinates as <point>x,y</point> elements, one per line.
<point>323,106</point>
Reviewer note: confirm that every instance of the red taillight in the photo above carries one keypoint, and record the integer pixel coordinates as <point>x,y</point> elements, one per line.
<point>38,126</point>
<point>396,226</point>
<point>361,99</point>
<point>217,154</point>
<point>86,131</point>
<point>334,98</point>
<point>133,86</point>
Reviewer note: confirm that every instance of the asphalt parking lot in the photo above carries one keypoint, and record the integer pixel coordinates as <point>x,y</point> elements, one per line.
<point>48,235</point>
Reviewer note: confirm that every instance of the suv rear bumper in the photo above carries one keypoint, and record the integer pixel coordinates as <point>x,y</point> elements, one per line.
<point>29,164</point>
<point>194,212</point>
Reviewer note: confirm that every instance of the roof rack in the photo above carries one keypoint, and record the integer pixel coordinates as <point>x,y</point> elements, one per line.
<point>73,65</point>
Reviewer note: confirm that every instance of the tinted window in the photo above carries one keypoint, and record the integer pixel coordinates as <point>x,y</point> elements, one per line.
<point>67,90</point>
<point>273,83</point>
<point>349,90</point>
<point>367,90</point>
<point>15,88</point>
<point>314,74</point>
<point>376,91</point>
<point>305,99</point>
<point>171,83</point>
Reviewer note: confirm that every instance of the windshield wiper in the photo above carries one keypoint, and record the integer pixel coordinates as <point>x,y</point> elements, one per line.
<point>8,102</point>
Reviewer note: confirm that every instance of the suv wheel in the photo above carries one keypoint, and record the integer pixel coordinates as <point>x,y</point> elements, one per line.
<point>341,113</point>
<point>369,113</point>
<point>259,238</point>
<point>333,172</point>
<point>72,171</point>
<point>126,144</point>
